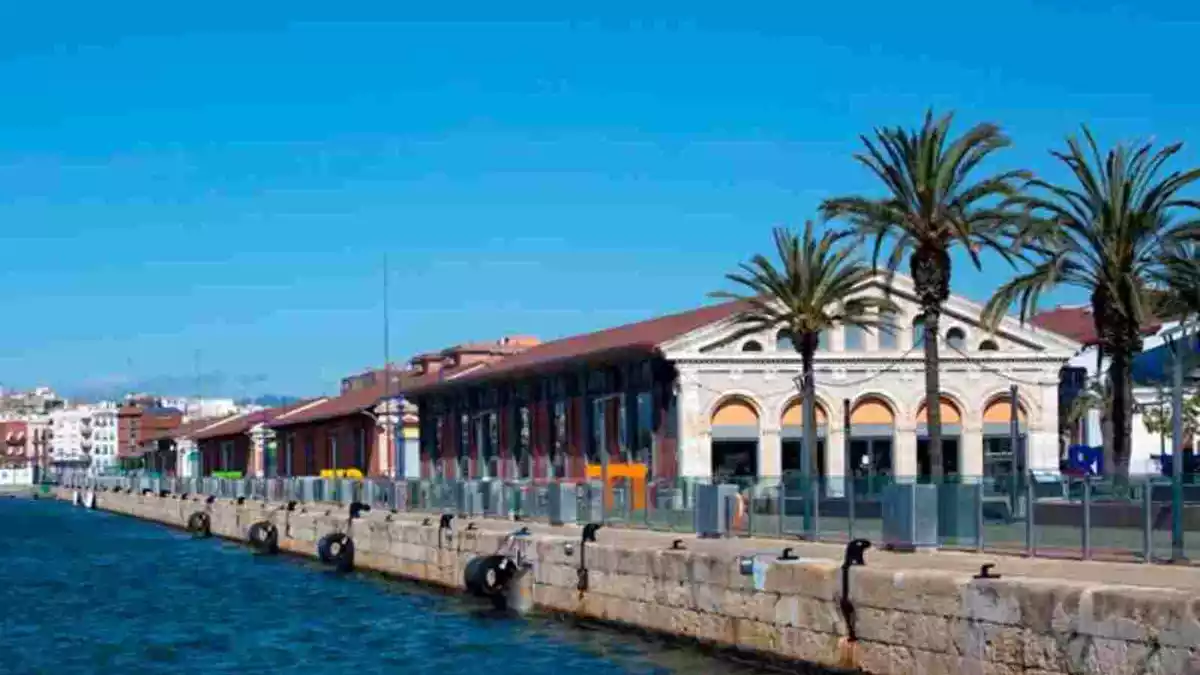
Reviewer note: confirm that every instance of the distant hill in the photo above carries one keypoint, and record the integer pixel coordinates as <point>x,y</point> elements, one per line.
<point>269,400</point>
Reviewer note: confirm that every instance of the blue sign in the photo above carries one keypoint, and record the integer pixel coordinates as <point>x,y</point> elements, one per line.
<point>1086,460</point>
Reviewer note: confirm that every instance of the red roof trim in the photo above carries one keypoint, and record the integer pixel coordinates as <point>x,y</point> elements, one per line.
<point>638,338</point>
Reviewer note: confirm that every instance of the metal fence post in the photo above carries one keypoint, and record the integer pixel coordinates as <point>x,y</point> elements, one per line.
<point>1087,519</point>
<point>847,468</point>
<point>1030,531</point>
<point>1147,525</point>
<point>979,515</point>
<point>782,505</point>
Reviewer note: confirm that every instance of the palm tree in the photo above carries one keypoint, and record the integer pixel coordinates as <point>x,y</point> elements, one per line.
<point>819,284</point>
<point>934,203</point>
<point>1106,233</point>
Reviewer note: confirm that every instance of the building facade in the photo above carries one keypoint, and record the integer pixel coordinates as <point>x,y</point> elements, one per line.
<point>694,395</point>
<point>142,417</point>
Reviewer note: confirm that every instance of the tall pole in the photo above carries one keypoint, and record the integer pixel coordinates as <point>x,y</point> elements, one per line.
<point>390,418</point>
<point>1177,451</point>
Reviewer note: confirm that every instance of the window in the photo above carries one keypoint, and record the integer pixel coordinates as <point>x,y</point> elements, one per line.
<point>524,436</point>
<point>332,462</point>
<point>226,455</point>
<point>644,443</point>
<point>956,338</point>
<point>784,342</point>
<point>822,341</point>
<point>855,336</point>
<point>918,332</point>
<point>559,447</point>
<point>360,452</point>
<point>752,346</point>
<point>988,346</point>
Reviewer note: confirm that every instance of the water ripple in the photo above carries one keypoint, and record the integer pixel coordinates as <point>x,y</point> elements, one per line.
<point>89,592</point>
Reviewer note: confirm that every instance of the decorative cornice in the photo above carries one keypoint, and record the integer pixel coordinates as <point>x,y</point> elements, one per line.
<point>848,360</point>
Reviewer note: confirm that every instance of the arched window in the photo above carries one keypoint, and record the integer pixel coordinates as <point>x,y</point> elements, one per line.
<point>918,331</point>
<point>784,342</point>
<point>887,331</point>
<point>855,336</point>
<point>752,346</point>
<point>956,337</point>
<point>989,346</point>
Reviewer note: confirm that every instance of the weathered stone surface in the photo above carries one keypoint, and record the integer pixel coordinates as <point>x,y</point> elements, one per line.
<point>822,616</point>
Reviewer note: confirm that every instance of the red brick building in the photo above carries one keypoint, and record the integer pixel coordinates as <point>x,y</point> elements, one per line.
<point>140,418</point>
<point>228,445</point>
<point>550,409</point>
<point>342,432</point>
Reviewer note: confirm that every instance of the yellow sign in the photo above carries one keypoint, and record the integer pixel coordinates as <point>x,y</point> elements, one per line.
<point>341,473</point>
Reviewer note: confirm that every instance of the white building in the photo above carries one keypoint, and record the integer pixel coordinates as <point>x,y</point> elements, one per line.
<point>84,436</point>
<point>1152,391</point>
<point>696,395</point>
<point>737,390</point>
<point>104,437</point>
<point>204,408</point>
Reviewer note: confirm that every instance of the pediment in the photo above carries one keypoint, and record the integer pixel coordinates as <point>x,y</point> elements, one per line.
<point>960,317</point>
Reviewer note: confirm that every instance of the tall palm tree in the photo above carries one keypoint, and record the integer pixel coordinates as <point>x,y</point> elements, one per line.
<point>820,283</point>
<point>1105,232</point>
<point>935,201</point>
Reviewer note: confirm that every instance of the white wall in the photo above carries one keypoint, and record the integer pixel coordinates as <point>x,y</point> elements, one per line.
<point>16,476</point>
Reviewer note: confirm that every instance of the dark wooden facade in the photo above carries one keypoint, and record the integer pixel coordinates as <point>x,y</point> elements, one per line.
<point>617,411</point>
<point>343,442</point>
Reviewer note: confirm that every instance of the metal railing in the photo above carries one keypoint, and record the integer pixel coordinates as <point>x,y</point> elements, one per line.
<point>1059,516</point>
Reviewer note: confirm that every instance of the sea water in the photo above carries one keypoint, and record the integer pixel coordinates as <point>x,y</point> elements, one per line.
<point>91,592</point>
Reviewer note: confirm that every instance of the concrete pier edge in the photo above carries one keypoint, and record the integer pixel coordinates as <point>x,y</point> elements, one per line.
<point>785,614</point>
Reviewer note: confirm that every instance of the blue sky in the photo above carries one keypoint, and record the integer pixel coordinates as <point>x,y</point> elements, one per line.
<point>224,181</point>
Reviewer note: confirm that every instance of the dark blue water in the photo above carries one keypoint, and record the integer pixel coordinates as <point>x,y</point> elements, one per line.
<point>90,592</point>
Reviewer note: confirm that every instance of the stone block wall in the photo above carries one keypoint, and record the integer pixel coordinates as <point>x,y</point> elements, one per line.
<point>906,622</point>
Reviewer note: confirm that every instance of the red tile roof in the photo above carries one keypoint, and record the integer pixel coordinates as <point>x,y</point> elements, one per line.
<point>1078,324</point>
<point>640,337</point>
<point>355,401</point>
<point>185,429</point>
<point>240,424</point>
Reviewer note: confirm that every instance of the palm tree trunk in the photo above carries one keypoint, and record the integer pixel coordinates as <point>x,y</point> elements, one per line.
<point>1116,454</point>
<point>933,398</point>
<point>808,390</point>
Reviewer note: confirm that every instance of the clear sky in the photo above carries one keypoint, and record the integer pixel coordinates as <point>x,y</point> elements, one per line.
<point>222,181</point>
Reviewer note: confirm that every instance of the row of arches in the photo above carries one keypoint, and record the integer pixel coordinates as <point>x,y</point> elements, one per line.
<point>736,432</point>
<point>737,410</point>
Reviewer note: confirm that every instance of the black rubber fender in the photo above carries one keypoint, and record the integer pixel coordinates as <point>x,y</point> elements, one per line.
<point>264,537</point>
<point>337,549</point>
<point>199,524</point>
<point>488,576</point>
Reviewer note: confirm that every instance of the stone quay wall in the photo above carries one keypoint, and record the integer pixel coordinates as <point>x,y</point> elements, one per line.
<point>907,622</point>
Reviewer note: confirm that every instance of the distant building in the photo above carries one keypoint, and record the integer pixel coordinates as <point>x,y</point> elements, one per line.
<point>19,405</point>
<point>17,466</point>
<point>140,417</point>
<point>203,408</point>
<point>71,439</point>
